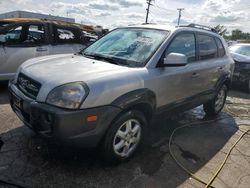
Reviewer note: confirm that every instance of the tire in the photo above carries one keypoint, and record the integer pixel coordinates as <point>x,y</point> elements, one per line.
<point>121,142</point>
<point>215,106</point>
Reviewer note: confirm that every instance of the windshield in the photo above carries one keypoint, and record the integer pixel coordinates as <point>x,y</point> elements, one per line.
<point>129,47</point>
<point>241,49</point>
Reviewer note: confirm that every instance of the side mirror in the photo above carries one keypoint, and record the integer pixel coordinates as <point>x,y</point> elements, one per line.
<point>2,39</point>
<point>175,59</point>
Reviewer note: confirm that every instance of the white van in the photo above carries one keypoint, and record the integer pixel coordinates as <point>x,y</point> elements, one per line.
<point>21,41</point>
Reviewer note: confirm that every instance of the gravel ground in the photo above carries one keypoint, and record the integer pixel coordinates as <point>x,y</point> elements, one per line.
<point>26,160</point>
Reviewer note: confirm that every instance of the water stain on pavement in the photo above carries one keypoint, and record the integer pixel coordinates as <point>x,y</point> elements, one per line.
<point>189,155</point>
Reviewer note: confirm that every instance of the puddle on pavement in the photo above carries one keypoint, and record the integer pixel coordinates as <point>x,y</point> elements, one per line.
<point>189,156</point>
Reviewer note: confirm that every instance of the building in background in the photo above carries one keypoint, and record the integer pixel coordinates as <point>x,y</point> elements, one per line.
<point>25,14</point>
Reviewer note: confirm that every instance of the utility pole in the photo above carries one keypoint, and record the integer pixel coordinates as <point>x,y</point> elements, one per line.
<point>149,4</point>
<point>179,19</point>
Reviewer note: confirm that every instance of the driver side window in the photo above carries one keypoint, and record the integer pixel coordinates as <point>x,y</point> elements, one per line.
<point>23,35</point>
<point>35,34</point>
<point>183,44</point>
<point>13,36</point>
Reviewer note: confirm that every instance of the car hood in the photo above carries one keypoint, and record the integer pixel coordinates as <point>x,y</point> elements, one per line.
<point>240,58</point>
<point>60,69</point>
<point>103,79</point>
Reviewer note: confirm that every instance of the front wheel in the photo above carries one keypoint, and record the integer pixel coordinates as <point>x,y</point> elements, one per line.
<point>124,137</point>
<point>215,106</point>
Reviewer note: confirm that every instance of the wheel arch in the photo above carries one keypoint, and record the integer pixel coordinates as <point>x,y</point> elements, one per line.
<point>224,80</point>
<point>143,100</point>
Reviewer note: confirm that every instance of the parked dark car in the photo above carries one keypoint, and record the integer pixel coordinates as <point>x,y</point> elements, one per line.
<point>241,56</point>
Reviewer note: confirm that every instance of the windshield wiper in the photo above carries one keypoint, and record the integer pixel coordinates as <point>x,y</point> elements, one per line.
<point>102,58</point>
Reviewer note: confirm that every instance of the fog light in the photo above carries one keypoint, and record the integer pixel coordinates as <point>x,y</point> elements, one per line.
<point>92,118</point>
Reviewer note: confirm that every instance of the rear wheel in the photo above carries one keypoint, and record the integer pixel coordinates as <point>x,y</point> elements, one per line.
<point>215,106</point>
<point>124,137</point>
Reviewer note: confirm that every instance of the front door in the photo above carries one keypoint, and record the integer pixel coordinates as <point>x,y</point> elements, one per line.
<point>178,84</point>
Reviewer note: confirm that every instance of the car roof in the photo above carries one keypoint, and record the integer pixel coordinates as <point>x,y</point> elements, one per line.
<point>175,28</point>
<point>87,28</point>
<point>153,26</point>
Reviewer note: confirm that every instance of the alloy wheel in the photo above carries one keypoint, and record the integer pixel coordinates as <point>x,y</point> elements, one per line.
<point>127,138</point>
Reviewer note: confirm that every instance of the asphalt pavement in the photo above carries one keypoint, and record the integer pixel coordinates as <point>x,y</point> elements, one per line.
<point>26,160</point>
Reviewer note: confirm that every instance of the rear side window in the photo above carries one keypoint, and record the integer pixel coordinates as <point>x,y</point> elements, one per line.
<point>207,47</point>
<point>183,44</point>
<point>66,35</point>
<point>36,34</point>
<point>221,50</point>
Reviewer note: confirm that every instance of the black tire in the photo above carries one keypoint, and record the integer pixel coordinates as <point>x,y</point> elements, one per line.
<point>210,108</point>
<point>108,148</point>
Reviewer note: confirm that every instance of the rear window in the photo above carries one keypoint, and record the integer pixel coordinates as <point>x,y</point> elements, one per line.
<point>207,47</point>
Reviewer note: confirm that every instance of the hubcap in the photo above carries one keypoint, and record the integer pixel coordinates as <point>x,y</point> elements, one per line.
<point>219,102</point>
<point>127,138</point>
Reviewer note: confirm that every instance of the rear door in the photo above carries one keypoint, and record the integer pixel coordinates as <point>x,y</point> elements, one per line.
<point>211,56</point>
<point>65,40</point>
<point>22,42</point>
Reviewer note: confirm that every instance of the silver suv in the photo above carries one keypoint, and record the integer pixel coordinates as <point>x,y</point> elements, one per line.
<point>106,95</point>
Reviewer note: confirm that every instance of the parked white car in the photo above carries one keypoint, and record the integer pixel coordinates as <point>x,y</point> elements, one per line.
<point>20,41</point>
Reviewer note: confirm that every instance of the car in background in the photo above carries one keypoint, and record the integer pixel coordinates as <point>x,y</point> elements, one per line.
<point>3,24</point>
<point>241,55</point>
<point>22,39</point>
<point>89,37</point>
<point>231,42</point>
<point>8,21</point>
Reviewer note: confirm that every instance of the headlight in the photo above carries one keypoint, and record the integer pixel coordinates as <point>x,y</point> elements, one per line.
<point>70,95</point>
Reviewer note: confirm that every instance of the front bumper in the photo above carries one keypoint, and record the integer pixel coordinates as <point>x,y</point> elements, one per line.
<point>63,125</point>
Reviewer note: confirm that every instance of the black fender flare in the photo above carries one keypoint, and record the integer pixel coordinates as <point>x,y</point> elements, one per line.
<point>225,79</point>
<point>132,98</point>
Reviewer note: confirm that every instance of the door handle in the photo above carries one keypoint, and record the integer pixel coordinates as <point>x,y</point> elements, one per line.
<point>41,49</point>
<point>195,75</point>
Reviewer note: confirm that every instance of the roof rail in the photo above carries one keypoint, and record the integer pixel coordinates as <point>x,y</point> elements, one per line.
<point>203,27</point>
<point>148,23</point>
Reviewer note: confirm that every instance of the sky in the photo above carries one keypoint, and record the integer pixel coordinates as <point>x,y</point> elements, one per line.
<point>233,14</point>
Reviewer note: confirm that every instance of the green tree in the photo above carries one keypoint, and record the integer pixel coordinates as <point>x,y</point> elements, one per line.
<point>220,29</point>
<point>237,34</point>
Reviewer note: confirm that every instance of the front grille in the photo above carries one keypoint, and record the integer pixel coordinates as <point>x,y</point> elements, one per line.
<point>28,86</point>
